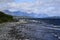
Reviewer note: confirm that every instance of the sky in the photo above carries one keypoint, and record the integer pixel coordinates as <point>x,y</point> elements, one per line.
<point>49,7</point>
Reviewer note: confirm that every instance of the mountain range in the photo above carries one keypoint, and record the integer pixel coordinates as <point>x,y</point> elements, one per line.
<point>19,13</point>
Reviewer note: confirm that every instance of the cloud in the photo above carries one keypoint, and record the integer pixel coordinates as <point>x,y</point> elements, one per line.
<point>5,1</point>
<point>49,7</point>
<point>3,4</point>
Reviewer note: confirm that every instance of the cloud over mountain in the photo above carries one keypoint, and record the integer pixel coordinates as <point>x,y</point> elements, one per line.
<point>49,7</point>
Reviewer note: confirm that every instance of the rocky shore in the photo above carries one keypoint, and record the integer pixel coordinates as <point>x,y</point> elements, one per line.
<point>29,31</point>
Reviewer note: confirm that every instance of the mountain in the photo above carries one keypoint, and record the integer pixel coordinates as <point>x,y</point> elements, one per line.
<point>53,17</point>
<point>19,13</point>
<point>5,18</point>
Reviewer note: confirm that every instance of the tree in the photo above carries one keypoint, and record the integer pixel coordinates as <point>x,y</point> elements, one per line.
<point>5,18</point>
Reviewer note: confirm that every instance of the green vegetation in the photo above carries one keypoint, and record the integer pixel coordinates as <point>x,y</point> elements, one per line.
<point>5,18</point>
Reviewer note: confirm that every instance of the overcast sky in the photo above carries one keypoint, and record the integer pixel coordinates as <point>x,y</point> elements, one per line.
<point>49,7</point>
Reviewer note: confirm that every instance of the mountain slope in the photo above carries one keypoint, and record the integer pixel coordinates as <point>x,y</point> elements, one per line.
<point>5,18</point>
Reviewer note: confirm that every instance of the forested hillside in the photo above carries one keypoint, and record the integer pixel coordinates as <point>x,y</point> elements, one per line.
<point>5,18</point>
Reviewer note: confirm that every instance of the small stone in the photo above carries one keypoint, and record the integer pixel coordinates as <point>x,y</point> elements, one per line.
<point>26,39</point>
<point>58,37</point>
<point>55,35</point>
